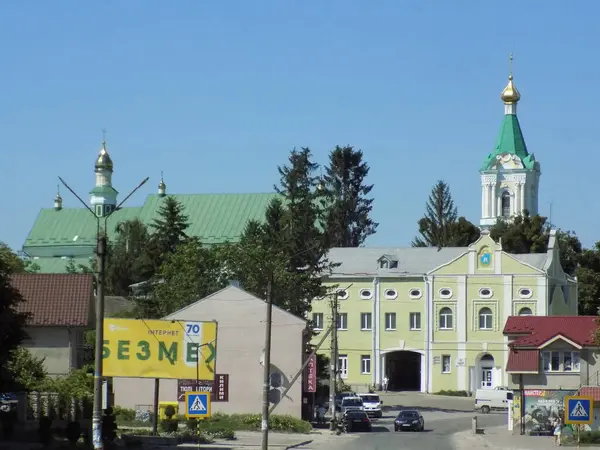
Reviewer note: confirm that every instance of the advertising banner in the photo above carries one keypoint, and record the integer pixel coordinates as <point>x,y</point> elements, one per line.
<point>541,408</point>
<point>218,388</point>
<point>140,348</point>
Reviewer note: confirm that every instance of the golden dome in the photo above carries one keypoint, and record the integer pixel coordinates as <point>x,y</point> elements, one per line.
<point>104,161</point>
<point>510,94</point>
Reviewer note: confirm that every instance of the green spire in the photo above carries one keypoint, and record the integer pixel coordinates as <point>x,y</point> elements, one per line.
<point>510,140</point>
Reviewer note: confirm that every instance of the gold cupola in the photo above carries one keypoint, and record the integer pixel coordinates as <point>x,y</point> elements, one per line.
<point>104,162</point>
<point>510,95</point>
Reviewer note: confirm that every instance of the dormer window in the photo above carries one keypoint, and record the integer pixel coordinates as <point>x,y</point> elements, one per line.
<point>387,262</point>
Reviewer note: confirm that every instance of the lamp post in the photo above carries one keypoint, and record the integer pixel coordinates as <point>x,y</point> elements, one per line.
<point>100,253</point>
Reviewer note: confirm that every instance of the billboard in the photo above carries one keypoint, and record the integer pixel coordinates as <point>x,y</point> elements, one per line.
<point>310,375</point>
<point>141,348</point>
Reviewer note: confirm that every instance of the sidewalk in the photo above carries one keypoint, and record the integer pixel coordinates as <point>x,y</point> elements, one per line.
<point>251,440</point>
<point>499,438</point>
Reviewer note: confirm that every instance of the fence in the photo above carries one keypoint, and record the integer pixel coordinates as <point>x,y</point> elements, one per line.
<point>33,405</point>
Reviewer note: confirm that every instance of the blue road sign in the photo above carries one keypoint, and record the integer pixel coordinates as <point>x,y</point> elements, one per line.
<point>197,404</point>
<point>579,410</point>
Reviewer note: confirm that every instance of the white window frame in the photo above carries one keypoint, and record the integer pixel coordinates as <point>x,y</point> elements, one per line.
<point>366,321</point>
<point>365,364</point>
<point>342,294</point>
<point>446,361</point>
<point>488,295</point>
<point>411,295</point>
<point>343,366</point>
<point>317,324</point>
<point>527,308</point>
<point>446,315</point>
<point>485,316</point>
<point>521,289</point>
<point>342,321</point>
<point>449,295</point>
<point>413,318</point>
<point>366,294</point>
<point>574,356</point>
<point>390,297</point>
<point>390,317</point>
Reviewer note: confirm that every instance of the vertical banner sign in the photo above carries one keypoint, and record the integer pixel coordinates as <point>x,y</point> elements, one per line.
<point>310,377</point>
<point>159,349</point>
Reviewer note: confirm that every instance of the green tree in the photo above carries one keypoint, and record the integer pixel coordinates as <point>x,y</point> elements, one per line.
<point>11,259</point>
<point>12,324</point>
<point>523,234</point>
<point>189,274</point>
<point>346,206</point>
<point>441,226</point>
<point>588,280</point>
<point>168,231</point>
<point>29,372</point>
<point>128,261</point>
<point>71,267</point>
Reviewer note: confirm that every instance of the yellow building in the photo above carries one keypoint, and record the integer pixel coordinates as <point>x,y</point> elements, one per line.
<point>431,319</point>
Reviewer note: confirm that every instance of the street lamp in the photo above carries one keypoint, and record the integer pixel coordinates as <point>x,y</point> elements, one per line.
<point>100,253</point>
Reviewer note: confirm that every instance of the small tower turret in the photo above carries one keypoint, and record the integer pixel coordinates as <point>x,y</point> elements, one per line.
<point>162,187</point>
<point>103,196</point>
<point>58,199</point>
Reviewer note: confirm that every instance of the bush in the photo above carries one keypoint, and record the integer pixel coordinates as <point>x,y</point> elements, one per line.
<point>124,414</point>
<point>452,393</point>
<point>169,425</point>
<point>169,411</point>
<point>216,424</point>
<point>588,437</point>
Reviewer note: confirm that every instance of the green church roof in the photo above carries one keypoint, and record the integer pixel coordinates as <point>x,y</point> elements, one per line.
<point>59,265</point>
<point>214,218</point>
<point>510,140</point>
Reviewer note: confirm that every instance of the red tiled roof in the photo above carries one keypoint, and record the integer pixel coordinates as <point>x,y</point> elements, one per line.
<point>540,329</point>
<point>523,361</point>
<point>55,299</point>
<point>590,391</point>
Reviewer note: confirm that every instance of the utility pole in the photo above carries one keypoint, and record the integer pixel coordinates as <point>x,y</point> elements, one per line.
<point>334,359</point>
<point>267,367</point>
<point>100,278</point>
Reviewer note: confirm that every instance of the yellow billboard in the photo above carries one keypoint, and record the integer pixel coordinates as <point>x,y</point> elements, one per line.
<point>141,348</point>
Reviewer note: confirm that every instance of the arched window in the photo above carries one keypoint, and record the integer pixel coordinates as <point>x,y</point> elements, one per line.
<point>506,204</point>
<point>525,312</point>
<point>445,319</point>
<point>485,319</point>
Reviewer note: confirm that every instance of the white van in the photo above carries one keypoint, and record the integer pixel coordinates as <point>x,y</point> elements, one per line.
<point>372,404</point>
<point>492,399</point>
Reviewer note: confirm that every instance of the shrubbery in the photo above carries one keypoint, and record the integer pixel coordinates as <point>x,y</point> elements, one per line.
<point>452,393</point>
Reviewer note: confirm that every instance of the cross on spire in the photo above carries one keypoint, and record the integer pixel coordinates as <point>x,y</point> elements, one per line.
<point>510,64</point>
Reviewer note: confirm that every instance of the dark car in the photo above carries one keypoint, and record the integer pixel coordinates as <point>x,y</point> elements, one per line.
<point>357,421</point>
<point>409,420</point>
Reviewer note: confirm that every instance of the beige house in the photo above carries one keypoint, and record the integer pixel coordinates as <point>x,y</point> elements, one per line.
<point>550,358</point>
<point>240,343</point>
<point>60,308</point>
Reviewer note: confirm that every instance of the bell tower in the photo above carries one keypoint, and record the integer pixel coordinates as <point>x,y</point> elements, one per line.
<point>510,175</point>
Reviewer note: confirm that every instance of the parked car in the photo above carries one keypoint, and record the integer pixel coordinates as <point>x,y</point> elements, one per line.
<point>339,397</point>
<point>352,404</point>
<point>372,404</point>
<point>357,421</point>
<point>409,420</point>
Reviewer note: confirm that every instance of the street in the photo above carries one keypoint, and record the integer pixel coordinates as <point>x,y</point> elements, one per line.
<point>443,416</point>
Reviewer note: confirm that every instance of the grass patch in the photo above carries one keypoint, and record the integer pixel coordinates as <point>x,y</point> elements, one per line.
<point>451,393</point>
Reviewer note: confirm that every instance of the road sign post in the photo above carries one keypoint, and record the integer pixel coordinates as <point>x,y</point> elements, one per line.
<point>197,405</point>
<point>579,410</point>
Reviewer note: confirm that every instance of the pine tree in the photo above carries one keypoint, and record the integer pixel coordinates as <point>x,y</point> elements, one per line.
<point>168,231</point>
<point>347,210</point>
<point>435,227</point>
<point>12,325</point>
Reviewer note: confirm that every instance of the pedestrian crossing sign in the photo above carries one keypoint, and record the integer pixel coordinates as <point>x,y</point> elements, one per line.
<point>579,410</point>
<point>197,405</point>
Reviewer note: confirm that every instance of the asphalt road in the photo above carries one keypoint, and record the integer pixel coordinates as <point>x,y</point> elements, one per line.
<point>439,427</point>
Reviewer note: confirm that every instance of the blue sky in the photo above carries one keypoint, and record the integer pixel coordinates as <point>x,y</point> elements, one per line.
<point>215,94</point>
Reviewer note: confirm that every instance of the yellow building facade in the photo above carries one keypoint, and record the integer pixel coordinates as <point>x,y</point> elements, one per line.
<point>431,319</point>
